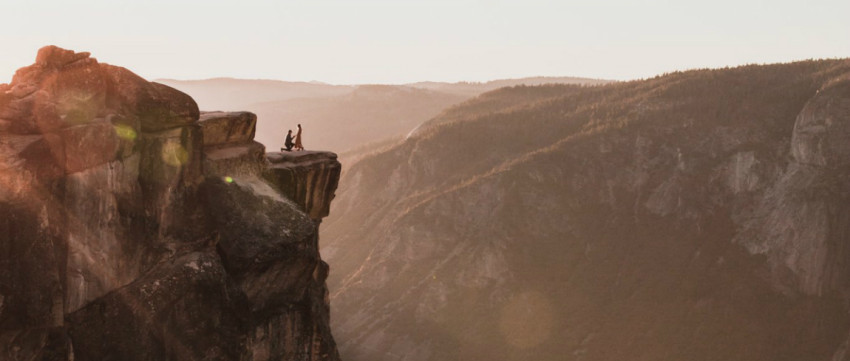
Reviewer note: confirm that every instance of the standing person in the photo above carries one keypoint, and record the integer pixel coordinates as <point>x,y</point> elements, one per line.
<point>298,145</point>
<point>288,143</point>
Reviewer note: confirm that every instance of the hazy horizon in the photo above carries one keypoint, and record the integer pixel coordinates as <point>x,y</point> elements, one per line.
<point>372,83</point>
<point>398,42</point>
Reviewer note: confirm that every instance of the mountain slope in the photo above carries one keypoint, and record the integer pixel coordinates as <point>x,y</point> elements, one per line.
<point>698,215</point>
<point>472,89</point>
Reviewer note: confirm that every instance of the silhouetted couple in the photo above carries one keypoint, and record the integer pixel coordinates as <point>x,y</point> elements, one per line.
<point>290,144</point>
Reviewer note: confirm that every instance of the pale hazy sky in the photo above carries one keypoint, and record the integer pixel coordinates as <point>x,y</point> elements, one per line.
<point>384,41</point>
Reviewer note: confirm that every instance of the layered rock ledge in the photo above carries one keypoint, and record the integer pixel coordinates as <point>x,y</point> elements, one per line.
<point>135,227</point>
<point>308,178</point>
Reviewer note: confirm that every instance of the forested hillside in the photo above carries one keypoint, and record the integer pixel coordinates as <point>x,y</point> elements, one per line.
<point>699,215</point>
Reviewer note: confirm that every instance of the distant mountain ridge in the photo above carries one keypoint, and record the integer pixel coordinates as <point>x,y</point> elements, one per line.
<point>236,94</point>
<point>367,114</point>
<point>475,88</point>
<point>340,117</point>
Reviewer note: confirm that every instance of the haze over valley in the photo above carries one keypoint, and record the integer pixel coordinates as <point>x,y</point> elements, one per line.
<point>535,180</point>
<point>699,215</point>
<point>341,118</point>
<point>679,217</point>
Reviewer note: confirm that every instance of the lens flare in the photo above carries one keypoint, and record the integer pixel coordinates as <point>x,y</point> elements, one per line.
<point>174,154</point>
<point>125,132</point>
<point>228,179</point>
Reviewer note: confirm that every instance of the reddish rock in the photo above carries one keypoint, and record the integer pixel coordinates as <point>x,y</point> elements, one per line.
<point>54,56</point>
<point>24,158</point>
<point>64,89</point>
<point>89,145</point>
<point>120,239</point>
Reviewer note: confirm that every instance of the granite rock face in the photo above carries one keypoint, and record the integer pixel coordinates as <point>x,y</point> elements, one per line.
<point>229,145</point>
<point>799,225</point>
<point>222,128</point>
<point>309,178</point>
<point>133,228</point>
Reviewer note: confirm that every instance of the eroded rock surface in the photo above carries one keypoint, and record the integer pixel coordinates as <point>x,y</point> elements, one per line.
<point>221,128</point>
<point>133,228</point>
<point>309,178</point>
<point>229,146</point>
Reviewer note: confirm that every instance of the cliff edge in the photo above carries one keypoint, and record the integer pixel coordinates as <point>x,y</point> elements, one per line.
<point>135,227</point>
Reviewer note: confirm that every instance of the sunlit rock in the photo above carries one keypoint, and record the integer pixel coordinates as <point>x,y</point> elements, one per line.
<point>221,128</point>
<point>123,236</point>
<point>229,146</point>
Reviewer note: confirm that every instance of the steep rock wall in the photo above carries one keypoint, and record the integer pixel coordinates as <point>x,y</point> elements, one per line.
<point>133,228</point>
<point>308,178</point>
<point>798,223</point>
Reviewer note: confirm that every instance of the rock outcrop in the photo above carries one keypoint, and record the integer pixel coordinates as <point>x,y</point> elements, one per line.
<point>799,224</point>
<point>229,145</point>
<point>133,227</point>
<point>308,178</point>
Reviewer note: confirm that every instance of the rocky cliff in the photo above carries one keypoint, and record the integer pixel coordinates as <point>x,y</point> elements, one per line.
<point>134,227</point>
<point>700,215</point>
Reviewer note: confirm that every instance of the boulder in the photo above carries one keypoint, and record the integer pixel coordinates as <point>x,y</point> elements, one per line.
<point>229,149</point>
<point>222,128</point>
